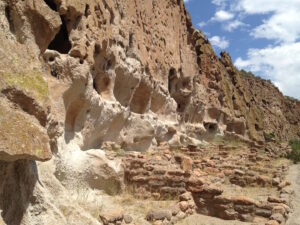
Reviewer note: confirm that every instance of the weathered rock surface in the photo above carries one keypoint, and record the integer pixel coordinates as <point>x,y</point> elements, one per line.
<point>281,113</point>
<point>131,73</point>
<point>76,75</point>
<point>92,169</point>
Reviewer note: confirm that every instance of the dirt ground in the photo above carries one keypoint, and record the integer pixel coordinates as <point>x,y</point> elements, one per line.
<point>207,220</point>
<point>294,177</point>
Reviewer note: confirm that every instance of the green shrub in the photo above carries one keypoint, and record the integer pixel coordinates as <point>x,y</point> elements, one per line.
<point>295,153</point>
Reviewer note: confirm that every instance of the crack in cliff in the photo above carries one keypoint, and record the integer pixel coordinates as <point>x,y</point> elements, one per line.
<point>9,19</point>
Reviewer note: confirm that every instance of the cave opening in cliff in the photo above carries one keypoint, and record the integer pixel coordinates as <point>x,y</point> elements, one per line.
<point>211,127</point>
<point>9,19</point>
<point>172,74</point>
<point>61,42</point>
<point>51,4</point>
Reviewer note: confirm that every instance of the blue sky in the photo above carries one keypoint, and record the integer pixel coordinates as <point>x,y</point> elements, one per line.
<point>262,36</point>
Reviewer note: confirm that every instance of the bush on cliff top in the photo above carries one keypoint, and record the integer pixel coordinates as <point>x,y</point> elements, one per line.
<point>295,153</point>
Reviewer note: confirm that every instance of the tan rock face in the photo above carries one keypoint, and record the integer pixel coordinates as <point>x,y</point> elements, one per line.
<point>21,136</point>
<point>131,73</point>
<point>75,75</point>
<point>281,113</point>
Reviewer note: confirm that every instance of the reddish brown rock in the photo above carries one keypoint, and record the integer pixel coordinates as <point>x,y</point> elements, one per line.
<point>187,163</point>
<point>242,200</point>
<point>276,200</point>
<point>284,184</point>
<point>272,222</point>
<point>196,181</point>
<point>279,209</point>
<point>183,206</point>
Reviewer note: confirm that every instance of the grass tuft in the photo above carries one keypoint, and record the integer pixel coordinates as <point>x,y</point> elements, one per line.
<point>295,153</point>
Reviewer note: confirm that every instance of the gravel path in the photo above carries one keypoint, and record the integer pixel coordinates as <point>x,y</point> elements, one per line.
<point>294,177</point>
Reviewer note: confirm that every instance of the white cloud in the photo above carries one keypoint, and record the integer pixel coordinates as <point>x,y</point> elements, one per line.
<point>282,25</point>
<point>265,6</point>
<point>234,24</point>
<point>281,64</point>
<point>222,15</point>
<point>220,3</point>
<point>219,42</point>
<point>202,24</point>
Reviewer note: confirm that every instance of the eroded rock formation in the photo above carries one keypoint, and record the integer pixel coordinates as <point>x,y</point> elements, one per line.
<point>77,76</point>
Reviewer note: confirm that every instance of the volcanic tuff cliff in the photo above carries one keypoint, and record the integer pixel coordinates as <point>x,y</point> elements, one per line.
<point>77,75</point>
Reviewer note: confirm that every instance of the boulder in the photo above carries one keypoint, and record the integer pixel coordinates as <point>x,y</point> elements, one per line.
<point>112,216</point>
<point>92,169</point>
<point>127,219</point>
<point>184,206</point>
<point>278,217</point>
<point>161,214</point>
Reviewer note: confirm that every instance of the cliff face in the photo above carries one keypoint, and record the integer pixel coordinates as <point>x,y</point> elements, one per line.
<point>77,75</point>
<point>280,113</point>
<point>108,63</point>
